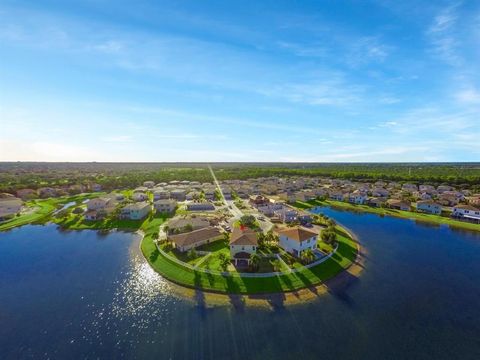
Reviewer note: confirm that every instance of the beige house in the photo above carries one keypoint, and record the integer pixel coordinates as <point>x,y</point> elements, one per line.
<point>165,205</point>
<point>297,239</point>
<point>186,241</point>
<point>243,243</point>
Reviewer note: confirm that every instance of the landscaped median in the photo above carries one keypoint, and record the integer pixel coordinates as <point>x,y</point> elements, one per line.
<point>421,217</point>
<point>235,283</point>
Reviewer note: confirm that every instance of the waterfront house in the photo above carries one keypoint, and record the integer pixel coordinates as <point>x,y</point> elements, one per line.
<point>357,197</point>
<point>466,212</point>
<point>98,203</point>
<point>297,239</point>
<point>429,207</point>
<point>165,205</point>
<point>188,240</point>
<point>398,204</point>
<point>136,211</point>
<point>243,243</point>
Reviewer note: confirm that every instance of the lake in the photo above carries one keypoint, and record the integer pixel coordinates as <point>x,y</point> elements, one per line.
<point>83,295</point>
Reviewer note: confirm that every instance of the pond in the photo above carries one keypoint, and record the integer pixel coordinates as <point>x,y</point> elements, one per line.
<point>85,295</point>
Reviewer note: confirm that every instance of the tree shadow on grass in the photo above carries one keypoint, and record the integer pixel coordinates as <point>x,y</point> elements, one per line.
<point>233,289</point>
<point>154,255</point>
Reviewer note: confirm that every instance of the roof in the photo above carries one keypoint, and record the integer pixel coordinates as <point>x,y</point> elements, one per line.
<point>243,236</point>
<point>428,202</point>
<point>182,222</point>
<point>465,207</point>
<point>195,236</point>
<point>298,233</point>
<point>137,206</point>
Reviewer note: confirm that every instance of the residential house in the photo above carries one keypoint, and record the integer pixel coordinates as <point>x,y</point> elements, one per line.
<point>429,206</point>
<point>286,214</point>
<point>165,205</point>
<point>98,203</point>
<point>193,239</point>
<point>297,239</point>
<point>161,194</point>
<point>376,201</point>
<point>357,197</point>
<point>209,194</point>
<point>178,225</point>
<point>243,243</point>
<point>178,194</point>
<point>135,211</point>
<point>466,211</point>
<point>139,196</point>
<point>398,204</point>
<point>46,192</point>
<point>380,192</point>
<point>200,206</point>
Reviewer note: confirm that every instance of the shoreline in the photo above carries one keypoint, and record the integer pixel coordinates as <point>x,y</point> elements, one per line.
<point>292,296</point>
<point>399,214</point>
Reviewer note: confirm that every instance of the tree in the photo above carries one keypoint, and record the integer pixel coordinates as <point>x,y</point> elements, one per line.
<point>224,261</point>
<point>261,238</point>
<point>254,261</point>
<point>247,220</point>
<point>155,236</point>
<point>166,228</point>
<point>307,256</point>
<point>192,254</point>
<point>328,236</point>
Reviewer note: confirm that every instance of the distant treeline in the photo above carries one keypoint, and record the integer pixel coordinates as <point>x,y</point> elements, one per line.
<point>18,175</point>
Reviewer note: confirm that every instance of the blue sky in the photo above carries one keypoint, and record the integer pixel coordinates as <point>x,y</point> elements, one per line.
<point>240,81</point>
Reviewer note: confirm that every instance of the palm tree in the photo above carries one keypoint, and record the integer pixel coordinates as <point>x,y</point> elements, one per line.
<point>254,260</point>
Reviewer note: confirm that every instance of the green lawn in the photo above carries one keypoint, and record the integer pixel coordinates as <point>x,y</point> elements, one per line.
<point>427,218</point>
<point>342,259</point>
<point>43,208</point>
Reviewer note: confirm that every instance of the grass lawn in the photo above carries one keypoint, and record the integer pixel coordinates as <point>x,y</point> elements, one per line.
<point>426,218</point>
<point>42,209</point>
<point>234,284</point>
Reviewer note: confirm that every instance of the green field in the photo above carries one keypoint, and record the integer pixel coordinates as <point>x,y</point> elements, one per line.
<point>235,284</point>
<point>41,210</point>
<point>420,217</point>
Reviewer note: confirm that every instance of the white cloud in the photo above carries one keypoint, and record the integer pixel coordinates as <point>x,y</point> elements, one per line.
<point>469,95</point>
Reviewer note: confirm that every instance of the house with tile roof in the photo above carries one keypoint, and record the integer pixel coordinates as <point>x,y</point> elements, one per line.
<point>243,243</point>
<point>297,239</point>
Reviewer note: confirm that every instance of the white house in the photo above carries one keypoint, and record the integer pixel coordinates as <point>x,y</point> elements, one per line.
<point>135,211</point>
<point>430,207</point>
<point>165,205</point>
<point>139,196</point>
<point>98,203</point>
<point>357,197</point>
<point>243,243</point>
<point>466,211</point>
<point>161,194</point>
<point>186,241</point>
<point>286,214</point>
<point>297,239</point>
<point>178,194</point>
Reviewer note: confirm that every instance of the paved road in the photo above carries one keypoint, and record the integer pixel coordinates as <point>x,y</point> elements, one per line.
<point>234,210</point>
